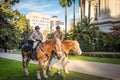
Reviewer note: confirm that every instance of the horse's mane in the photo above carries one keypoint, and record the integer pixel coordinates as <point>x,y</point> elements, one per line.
<point>67,41</point>
<point>57,41</point>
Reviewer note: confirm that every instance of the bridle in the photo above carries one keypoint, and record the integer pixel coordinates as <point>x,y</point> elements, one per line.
<point>73,47</point>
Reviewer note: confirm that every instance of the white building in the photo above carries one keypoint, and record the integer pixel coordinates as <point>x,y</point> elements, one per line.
<point>38,19</point>
<point>76,21</point>
<point>55,21</point>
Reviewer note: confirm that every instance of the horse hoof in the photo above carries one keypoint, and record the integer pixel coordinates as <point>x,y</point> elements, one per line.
<point>38,78</point>
<point>67,72</point>
<point>46,77</point>
<point>59,72</point>
<point>26,74</point>
<point>49,69</point>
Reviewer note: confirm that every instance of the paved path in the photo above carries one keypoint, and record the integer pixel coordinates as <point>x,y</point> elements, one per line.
<point>111,71</point>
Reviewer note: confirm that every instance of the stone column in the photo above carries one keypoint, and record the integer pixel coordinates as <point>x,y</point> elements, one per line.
<point>92,11</point>
<point>98,9</point>
<point>107,10</point>
<point>117,8</point>
<point>109,14</point>
<point>112,10</point>
<point>86,8</point>
<point>102,8</point>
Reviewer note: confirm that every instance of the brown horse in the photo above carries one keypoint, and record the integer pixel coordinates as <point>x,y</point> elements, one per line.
<point>43,53</point>
<point>67,45</point>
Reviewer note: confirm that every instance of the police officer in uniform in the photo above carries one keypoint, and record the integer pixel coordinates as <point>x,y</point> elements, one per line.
<point>58,34</point>
<point>37,38</point>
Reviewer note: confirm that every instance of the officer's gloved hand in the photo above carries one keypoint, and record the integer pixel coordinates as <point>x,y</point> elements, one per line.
<point>38,40</point>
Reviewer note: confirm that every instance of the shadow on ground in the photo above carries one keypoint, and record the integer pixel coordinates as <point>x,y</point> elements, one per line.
<point>12,70</point>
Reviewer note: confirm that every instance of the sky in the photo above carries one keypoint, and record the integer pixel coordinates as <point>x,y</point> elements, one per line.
<point>48,7</point>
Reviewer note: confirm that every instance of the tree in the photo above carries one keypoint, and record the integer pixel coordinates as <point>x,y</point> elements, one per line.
<point>64,4</point>
<point>74,13</point>
<point>115,31</point>
<point>86,33</point>
<point>9,36</point>
<point>113,40</point>
<point>45,33</point>
<point>13,25</point>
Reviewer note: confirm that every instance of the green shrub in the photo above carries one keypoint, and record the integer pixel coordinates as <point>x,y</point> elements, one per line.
<point>102,54</point>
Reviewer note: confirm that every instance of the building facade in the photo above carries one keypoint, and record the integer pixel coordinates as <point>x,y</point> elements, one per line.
<point>55,21</point>
<point>108,14</point>
<point>76,21</point>
<point>105,13</point>
<point>45,22</point>
<point>38,19</point>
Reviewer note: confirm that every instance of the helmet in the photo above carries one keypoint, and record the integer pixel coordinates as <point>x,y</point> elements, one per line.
<point>58,27</point>
<point>37,27</point>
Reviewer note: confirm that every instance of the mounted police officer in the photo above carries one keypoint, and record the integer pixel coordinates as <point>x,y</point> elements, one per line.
<point>37,38</point>
<point>58,34</point>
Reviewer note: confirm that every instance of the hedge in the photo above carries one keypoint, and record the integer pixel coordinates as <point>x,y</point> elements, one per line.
<point>102,54</point>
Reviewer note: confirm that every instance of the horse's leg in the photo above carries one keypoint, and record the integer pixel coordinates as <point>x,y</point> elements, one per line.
<point>59,65</point>
<point>25,62</point>
<point>38,71</point>
<point>45,68</point>
<point>65,64</point>
<point>48,66</point>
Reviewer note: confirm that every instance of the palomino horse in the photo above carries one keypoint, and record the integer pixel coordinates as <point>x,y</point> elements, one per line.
<point>67,45</point>
<point>43,53</point>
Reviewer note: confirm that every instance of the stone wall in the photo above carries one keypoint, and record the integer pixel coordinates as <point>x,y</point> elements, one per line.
<point>108,15</point>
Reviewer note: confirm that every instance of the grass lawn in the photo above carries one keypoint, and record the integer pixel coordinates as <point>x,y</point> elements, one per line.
<point>103,52</point>
<point>12,70</point>
<point>16,52</point>
<point>95,59</point>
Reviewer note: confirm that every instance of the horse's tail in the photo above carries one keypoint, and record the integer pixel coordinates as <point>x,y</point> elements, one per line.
<point>23,50</point>
<point>21,45</point>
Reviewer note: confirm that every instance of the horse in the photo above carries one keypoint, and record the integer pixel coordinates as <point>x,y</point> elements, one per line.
<point>67,45</point>
<point>43,53</point>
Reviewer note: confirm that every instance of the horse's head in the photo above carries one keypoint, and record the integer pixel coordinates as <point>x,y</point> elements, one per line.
<point>76,48</point>
<point>57,47</point>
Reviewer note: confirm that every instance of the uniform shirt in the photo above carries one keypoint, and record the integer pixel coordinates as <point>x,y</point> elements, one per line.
<point>58,35</point>
<point>36,36</point>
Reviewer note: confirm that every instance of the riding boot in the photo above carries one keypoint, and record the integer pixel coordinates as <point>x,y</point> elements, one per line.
<point>33,54</point>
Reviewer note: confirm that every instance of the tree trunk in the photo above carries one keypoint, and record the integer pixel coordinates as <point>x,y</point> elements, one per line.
<point>5,49</point>
<point>89,9</point>
<point>80,5</point>
<point>65,22</point>
<point>79,12</point>
<point>83,8</point>
<point>74,13</point>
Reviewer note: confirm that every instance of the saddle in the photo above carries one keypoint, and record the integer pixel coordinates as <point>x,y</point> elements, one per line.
<point>28,45</point>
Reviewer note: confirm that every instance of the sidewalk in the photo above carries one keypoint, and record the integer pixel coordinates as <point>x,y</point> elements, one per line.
<point>111,71</point>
